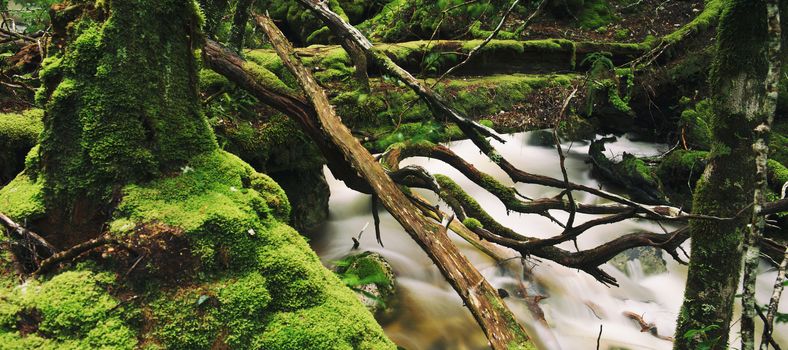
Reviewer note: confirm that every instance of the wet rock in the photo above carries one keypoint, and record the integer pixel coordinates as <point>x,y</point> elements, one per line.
<point>640,262</point>
<point>542,138</point>
<point>372,278</point>
<point>633,174</point>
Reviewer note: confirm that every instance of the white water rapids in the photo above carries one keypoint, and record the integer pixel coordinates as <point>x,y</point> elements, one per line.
<point>431,316</point>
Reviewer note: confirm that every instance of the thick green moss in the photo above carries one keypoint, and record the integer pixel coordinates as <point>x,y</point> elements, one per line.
<point>303,27</point>
<point>595,14</point>
<point>22,199</point>
<point>211,81</point>
<point>270,289</point>
<point>682,168</point>
<point>778,142</point>
<point>73,310</point>
<point>402,19</point>
<point>109,121</point>
<point>472,224</point>
<point>778,175</point>
<point>705,20</point>
<point>678,172</point>
<point>18,134</point>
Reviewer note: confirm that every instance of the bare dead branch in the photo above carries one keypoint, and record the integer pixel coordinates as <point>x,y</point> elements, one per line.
<point>71,253</point>
<point>19,232</point>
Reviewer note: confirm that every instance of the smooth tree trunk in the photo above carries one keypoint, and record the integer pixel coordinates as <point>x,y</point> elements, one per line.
<point>502,329</point>
<point>740,104</point>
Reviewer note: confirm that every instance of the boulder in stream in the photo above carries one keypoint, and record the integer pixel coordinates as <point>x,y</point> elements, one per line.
<point>372,278</point>
<point>640,262</point>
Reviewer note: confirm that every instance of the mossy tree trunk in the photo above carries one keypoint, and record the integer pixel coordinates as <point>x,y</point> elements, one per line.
<point>214,12</point>
<point>238,30</point>
<point>739,104</point>
<point>126,109</point>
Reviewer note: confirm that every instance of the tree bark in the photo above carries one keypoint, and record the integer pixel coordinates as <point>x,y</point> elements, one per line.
<point>740,102</point>
<point>761,149</point>
<point>359,60</point>
<point>480,297</point>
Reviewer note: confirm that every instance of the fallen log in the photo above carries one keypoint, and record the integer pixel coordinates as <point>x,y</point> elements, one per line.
<point>496,320</point>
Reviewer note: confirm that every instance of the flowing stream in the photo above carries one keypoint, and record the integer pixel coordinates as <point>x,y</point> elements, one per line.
<point>429,314</point>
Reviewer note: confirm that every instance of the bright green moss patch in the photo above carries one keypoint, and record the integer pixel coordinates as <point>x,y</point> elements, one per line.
<point>778,175</point>
<point>256,272</point>
<point>681,168</point>
<point>22,199</point>
<point>211,81</point>
<point>73,310</point>
<point>267,78</point>
<point>778,142</point>
<point>595,14</point>
<point>18,134</point>
<point>706,19</point>
<point>216,182</point>
<point>696,125</point>
<point>472,224</point>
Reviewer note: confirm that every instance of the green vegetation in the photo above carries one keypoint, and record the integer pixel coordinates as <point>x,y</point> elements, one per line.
<point>220,267</point>
<point>371,277</point>
<point>94,135</point>
<point>73,310</point>
<point>18,134</point>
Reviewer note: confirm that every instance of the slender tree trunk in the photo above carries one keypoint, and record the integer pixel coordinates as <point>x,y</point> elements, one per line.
<point>761,149</point>
<point>359,59</point>
<point>238,31</point>
<point>740,103</point>
<point>480,297</point>
<point>214,12</point>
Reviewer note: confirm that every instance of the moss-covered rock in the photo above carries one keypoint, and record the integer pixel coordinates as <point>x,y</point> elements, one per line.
<point>632,173</point>
<point>244,279</point>
<point>18,134</point>
<point>373,280</point>
<point>678,172</point>
<point>73,310</point>
<point>695,126</point>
